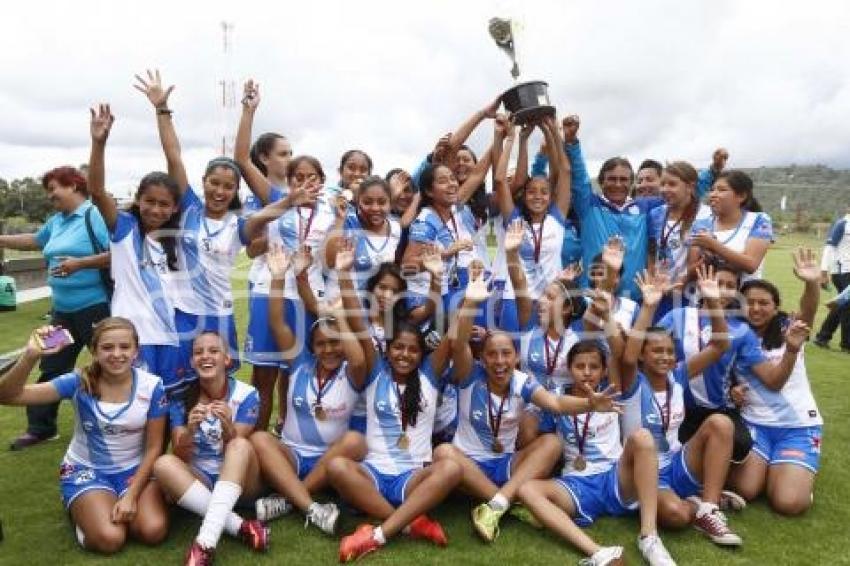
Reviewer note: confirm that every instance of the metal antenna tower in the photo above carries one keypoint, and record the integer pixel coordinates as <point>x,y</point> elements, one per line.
<point>227,87</point>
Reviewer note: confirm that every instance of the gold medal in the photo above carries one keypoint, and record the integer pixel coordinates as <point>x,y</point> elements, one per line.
<point>403,441</point>
<point>580,463</point>
<point>497,446</point>
<point>320,413</point>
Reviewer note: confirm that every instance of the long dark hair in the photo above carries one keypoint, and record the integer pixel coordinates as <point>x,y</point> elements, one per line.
<point>390,269</point>
<point>479,202</point>
<point>262,147</point>
<point>773,336</point>
<point>411,399</point>
<point>742,185</point>
<point>371,181</point>
<point>169,238</point>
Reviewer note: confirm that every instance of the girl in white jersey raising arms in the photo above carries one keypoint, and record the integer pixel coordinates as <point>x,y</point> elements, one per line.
<point>211,236</point>
<point>782,415</point>
<point>213,464</point>
<point>394,482</point>
<point>120,424</point>
<point>144,257</point>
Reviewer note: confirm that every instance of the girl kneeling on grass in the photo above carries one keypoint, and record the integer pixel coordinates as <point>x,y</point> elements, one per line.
<point>782,415</point>
<point>323,388</point>
<point>120,424</point>
<point>601,477</point>
<point>493,398</point>
<point>395,483</point>
<point>211,451</point>
<point>654,399</point>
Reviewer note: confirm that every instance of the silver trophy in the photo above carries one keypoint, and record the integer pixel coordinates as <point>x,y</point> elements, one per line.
<point>529,101</point>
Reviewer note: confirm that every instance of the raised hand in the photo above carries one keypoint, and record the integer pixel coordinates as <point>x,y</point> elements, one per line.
<point>35,343</point>
<point>476,290</point>
<point>604,401</point>
<point>251,94</point>
<point>613,253</point>
<point>306,194</point>
<point>431,260</point>
<point>707,282</point>
<point>602,304</point>
<point>302,259</point>
<point>525,131</point>
<point>514,235</point>
<point>570,273</point>
<point>797,333</point>
<point>440,156</point>
<point>570,126</point>
<point>458,246</point>
<point>152,88</point>
<point>344,255</point>
<point>490,110</point>
<point>502,127</point>
<point>101,123</point>
<point>805,266</point>
<point>651,292</point>
<point>278,261</point>
<point>398,183</point>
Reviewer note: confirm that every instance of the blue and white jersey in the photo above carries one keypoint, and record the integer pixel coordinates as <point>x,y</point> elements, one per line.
<point>447,406</point>
<point>429,228</point>
<point>793,406</point>
<point>144,286</point>
<point>110,437</point>
<point>692,333</point>
<point>259,276</point>
<point>756,225</point>
<point>370,251</point>
<point>601,440</point>
<point>305,226</point>
<point>545,358</point>
<point>208,440</point>
<point>206,253</point>
<point>477,406</point>
<point>383,421</point>
<point>671,244</point>
<point>644,407</point>
<point>836,252</point>
<point>625,312</point>
<point>540,250</point>
<point>302,430</point>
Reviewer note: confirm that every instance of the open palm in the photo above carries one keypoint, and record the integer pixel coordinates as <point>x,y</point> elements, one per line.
<point>806,267</point>
<point>152,88</point>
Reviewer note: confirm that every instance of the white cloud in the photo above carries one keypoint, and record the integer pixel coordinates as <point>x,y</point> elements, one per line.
<point>660,78</point>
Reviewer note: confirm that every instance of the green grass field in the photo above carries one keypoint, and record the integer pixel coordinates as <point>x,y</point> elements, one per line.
<point>37,530</point>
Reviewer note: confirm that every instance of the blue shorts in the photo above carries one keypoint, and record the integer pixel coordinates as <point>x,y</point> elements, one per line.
<point>260,346</point>
<point>676,476</point>
<point>161,360</point>
<point>391,487</point>
<point>75,480</point>
<point>508,317</point>
<point>357,423</point>
<point>190,325</point>
<point>208,478</point>
<point>303,464</point>
<point>595,496</point>
<point>497,470</point>
<point>800,446</point>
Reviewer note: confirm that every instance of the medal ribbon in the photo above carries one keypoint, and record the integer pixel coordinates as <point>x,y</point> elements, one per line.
<point>322,384</point>
<point>495,420</point>
<point>553,361</point>
<point>537,239</point>
<point>302,238</point>
<point>580,440</point>
<point>401,409</point>
<point>665,411</point>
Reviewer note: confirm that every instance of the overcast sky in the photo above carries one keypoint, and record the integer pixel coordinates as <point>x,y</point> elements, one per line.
<point>656,78</point>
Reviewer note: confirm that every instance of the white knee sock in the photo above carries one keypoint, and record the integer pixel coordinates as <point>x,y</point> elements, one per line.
<point>81,536</point>
<point>223,498</point>
<point>197,500</point>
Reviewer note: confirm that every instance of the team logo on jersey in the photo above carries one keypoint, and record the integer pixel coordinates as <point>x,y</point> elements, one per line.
<point>88,426</point>
<point>816,440</point>
<point>66,470</point>
<point>163,402</point>
<point>85,475</point>
<point>111,429</point>
<point>298,401</point>
<point>477,414</point>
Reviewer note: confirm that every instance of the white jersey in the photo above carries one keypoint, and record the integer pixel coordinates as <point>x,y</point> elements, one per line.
<point>793,406</point>
<point>384,421</point>
<point>110,437</point>
<point>540,251</point>
<point>304,226</point>
<point>303,431</point>
<point>672,244</point>
<point>479,411</point>
<point>259,276</point>
<point>206,253</point>
<point>143,283</point>
<point>659,412</point>
<point>546,358</point>
<point>599,435</point>
<point>625,312</point>
<point>208,440</point>
<point>370,251</point>
<point>755,225</point>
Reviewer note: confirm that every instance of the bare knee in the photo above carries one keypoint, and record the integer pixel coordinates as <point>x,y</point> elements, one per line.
<point>165,463</point>
<point>530,491</point>
<point>353,443</point>
<point>445,451</point>
<point>550,445</point>
<point>152,530</point>
<point>449,470</point>
<point>719,425</point>
<point>261,439</point>
<point>105,538</point>
<point>641,440</point>
<point>790,504</point>
<point>338,468</point>
<point>240,447</point>
<point>675,514</point>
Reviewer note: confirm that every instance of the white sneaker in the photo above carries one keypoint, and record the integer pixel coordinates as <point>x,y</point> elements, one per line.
<point>731,501</point>
<point>605,556</point>
<point>324,516</point>
<point>653,551</point>
<point>272,507</point>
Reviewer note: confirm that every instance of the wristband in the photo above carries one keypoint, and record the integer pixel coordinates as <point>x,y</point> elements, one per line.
<point>164,112</point>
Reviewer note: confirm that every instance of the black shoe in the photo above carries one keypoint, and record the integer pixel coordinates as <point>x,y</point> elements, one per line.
<point>28,439</point>
<point>821,344</point>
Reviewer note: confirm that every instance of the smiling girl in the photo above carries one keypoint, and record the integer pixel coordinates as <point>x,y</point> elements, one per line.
<point>120,423</point>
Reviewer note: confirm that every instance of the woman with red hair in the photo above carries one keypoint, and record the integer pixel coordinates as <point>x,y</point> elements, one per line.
<point>75,245</point>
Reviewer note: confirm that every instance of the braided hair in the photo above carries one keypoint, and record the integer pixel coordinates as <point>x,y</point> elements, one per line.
<point>411,399</point>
